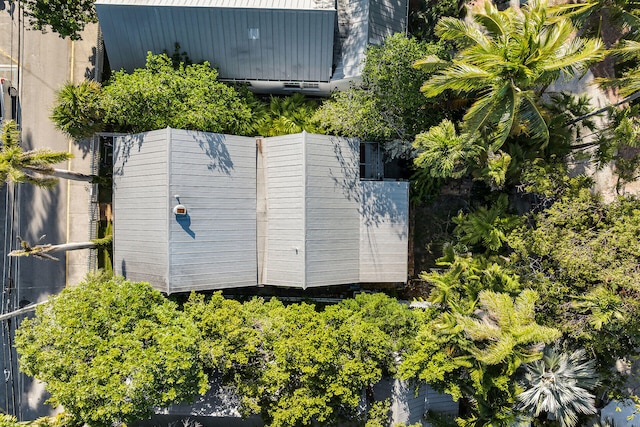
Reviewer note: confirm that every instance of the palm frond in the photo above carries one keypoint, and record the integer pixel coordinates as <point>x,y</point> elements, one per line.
<point>10,134</point>
<point>497,24</point>
<point>497,111</point>
<point>558,384</point>
<point>531,119</point>
<point>431,63</point>
<point>462,32</point>
<point>44,157</point>
<point>577,56</point>
<point>459,77</point>
<point>627,50</point>
<point>443,152</point>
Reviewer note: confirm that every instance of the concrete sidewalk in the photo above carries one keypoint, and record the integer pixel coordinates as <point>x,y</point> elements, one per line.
<point>81,196</point>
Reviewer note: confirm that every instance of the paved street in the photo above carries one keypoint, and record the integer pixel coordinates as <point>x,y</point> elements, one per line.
<point>38,64</point>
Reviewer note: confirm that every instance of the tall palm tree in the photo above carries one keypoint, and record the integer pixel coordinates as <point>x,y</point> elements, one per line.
<point>506,60</point>
<point>33,166</point>
<point>557,387</point>
<point>43,251</point>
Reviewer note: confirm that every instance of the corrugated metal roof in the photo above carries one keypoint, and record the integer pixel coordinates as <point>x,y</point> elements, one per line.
<point>243,44</point>
<point>253,40</point>
<point>253,4</point>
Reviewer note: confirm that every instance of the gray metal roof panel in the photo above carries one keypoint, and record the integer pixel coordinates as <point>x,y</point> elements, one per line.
<point>253,4</point>
<point>243,44</point>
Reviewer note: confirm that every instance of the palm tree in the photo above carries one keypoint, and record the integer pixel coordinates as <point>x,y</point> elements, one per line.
<point>506,60</point>
<point>42,251</point>
<point>77,111</point>
<point>557,387</point>
<point>287,115</point>
<point>443,152</point>
<point>33,166</point>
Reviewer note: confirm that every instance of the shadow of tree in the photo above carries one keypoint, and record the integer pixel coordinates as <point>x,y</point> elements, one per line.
<point>377,200</point>
<point>122,151</point>
<point>214,146</point>
<point>84,145</point>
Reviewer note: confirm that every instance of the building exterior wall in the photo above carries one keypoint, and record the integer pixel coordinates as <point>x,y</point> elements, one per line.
<point>384,231</point>
<point>248,42</point>
<point>331,210</point>
<point>284,250</point>
<point>140,207</point>
<point>214,245</point>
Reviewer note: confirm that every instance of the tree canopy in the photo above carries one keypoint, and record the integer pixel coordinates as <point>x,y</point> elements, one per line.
<point>67,18</point>
<point>172,92</point>
<point>387,105</point>
<point>295,365</point>
<point>582,253</point>
<point>187,96</point>
<point>110,351</point>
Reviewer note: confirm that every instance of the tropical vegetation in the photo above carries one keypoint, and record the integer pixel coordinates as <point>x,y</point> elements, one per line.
<point>532,305</point>
<point>387,106</point>
<point>173,92</point>
<point>128,350</point>
<point>32,166</point>
<point>110,351</point>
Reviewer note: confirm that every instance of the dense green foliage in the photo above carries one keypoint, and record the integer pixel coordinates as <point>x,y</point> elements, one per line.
<point>172,92</point>
<point>67,18</point>
<point>583,254</point>
<point>110,351</point>
<point>387,105</point>
<point>284,115</point>
<point>295,365</point>
<point>580,257</point>
<point>472,348</point>
<point>424,16</point>
<point>186,97</point>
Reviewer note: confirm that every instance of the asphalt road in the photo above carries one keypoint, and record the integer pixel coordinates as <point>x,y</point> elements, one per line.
<point>38,64</point>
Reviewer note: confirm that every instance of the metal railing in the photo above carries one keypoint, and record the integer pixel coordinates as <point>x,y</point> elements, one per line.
<point>94,206</point>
